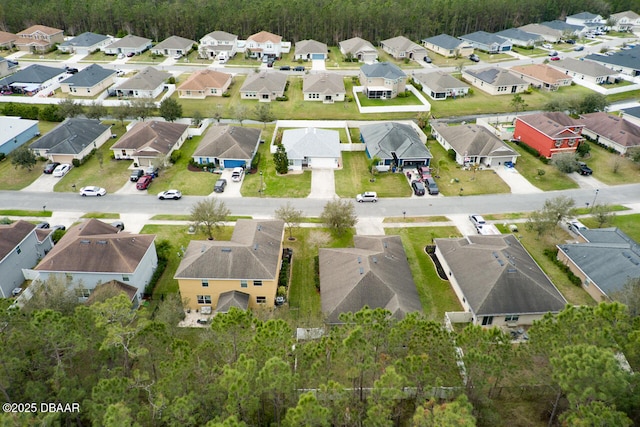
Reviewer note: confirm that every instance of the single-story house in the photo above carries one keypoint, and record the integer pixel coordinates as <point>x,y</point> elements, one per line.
<point>613,131</point>
<point>147,141</point>
<point>626,21</point>
<point>89,81</point>
<point>448,46</point>
<point>624,61</point>
<point>632,115</point>
<point>589,71</point>
<point>311,49</point>
<point>565,29</point>
<point>374,273</point>
<point>38,38</point>
<point>247,264</point>
<point>265,43</point>
<point>85,43</point>
<point>473,144</point>
<point>218,44</point>
<point>549,132</point>
<point>495,80</point>
<point>401,47</point>
<point>542,76</point>
<point>325,87</point>
<point>440,85</point>
<point>587,19</point>
<point>7,40</point>
<point>547,34</point>
<point>604,262</point>
<point>359,48</point>
<point>264,86</point>
<point>517,37</point>
<point>312,148</point>
<point>74,138</point>
<point>497,281</point>
<point>396,145</point>
<point>203,83</point>
<point>95,252</point>
<point>382,80</point>
<point>16,132</point>
<point>228,146</point>
<point>173,45</point>
<point>128,44</point>
<point>32,79</point>
<point>22,245</point>
<point>487,42</point>
<point>147,83</point>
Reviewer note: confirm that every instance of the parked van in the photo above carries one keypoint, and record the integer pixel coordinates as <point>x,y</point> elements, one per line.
<point>432,187</point>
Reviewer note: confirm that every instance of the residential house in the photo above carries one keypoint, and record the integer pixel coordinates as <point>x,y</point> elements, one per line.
<point>613,131</point>
<point>360,49</point>
<point>473,144</point>
<point>547,34</point>
<point>487,42</point>
<point>218,44</point>
<point>495,80</point>
<point>312,148</point>
<point>604,261</point>
<point>542,76</point>
<point>626,21</point>
<point>520,38</point>
<point>448,46</point>
<point>589,20</point>
<point>22,245</point>
<point>396,145</point>
<point>401,47</point>
<point>245,268</point>
<point>624,61</point>
<point>7,40</point>
<point>85,43</point>
<point>382,80</point>
<point>112,288</point>
<point>566,30</point>
<point>16,132</point>
<point>128,44</point>
<point>32,79</point>
<point>74,138</point>
<point>228,147</point>
<point>264,86</point>
<point>440,85</point>
<point>173,46</point>
<point>325,87</point>
<point>311,49</point>
<point>203,83</point>
<point>496,280</point>
<point>94,252</point>
<point>632,115</point>
<point>589,71</point>
<point>147,83</point>
<point>549,133</point>
<point>38,38</point>
<point>374,273</point>
<point>89,81</point>
<point>148,141</point>
<point>265,43</point>
<point>7,67</point>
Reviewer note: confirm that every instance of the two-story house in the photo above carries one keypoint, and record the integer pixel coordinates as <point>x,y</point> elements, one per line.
<point>38,38</point>
<point>218,45</point>
<point>265,43</point>
<point>549,132</point>
<point>382,80</point>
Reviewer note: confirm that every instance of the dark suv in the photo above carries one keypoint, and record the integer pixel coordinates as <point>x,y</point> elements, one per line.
<point>220,185</point>
<point>418,188</point>
<point>136,174</point>
<point>584,169</point>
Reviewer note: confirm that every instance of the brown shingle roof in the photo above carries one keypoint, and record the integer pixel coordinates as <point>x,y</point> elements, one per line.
<point>42,28</point>
<point>229,142</point>
<point>12,234</point>
<point>611,127</point>
<point>552,124</point>
<point>110,289</point>
<point>541,72</point>
<point>473,140</point>
<point>6,38</point>
<point>265,36</point>
<point>205,79</point>
<point>154,136</point>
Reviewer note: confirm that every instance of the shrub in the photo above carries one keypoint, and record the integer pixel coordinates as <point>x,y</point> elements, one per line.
<point>404,94</point>
<point>552,254</point>
<point>316,271</point>
<point>452,154</point>
<point>163,249</point>
<point>75,163</point>
<point>2,156</point>
<point>256,161</point>
<point>175,156</point>
<point>283,278</point>
<point>282,98</point>
<point>172,80</point>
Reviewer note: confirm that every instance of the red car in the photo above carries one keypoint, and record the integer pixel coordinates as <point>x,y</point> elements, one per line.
<point>144,182</point>
<point>424,172</point>
<point>555,58</point>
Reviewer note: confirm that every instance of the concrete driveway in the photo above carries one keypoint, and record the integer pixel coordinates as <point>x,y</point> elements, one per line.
<point>43,184</point>
<point>232,190</point>
<point>323,184</point>
<point>515,181</point>
<point>585,181</point>
<point>129,187</point>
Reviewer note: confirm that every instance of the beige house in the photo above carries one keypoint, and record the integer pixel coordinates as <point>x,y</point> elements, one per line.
<point>89,82</point>
<point>325,87</point>
<point>7,40</point>
<point>38,38</point>
<point>359,48</point>
<point>612,131</point>
<point>205,83</point>
<point>148,141</point>
<point>242,271</point>
<point>542,76</point>
<point>401,47</point>
<point>382,80</point>
<point>173,46</point>
<point>448,46</point>
<point>264,86</point>
<point>495,81</point>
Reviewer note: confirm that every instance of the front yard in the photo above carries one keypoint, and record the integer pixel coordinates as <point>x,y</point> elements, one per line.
<point>354,178</point>
<point>552,179</point>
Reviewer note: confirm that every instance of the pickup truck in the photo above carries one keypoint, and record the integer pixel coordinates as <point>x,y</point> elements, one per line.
<point>481,225</point>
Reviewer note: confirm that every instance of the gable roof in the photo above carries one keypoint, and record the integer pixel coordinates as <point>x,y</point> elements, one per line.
<point>305,47</point>
<point>381,139</point>
<point>630,14</point>
<point>553,124</point>
<point>252,253</point>
<point>222,36</point>
<point>109,289</point>
<point>439,81</point>
<point>174,42</point>
<point>624,58</point>
<point>374,273</point>
<point>498,276</point>
<point>385,70</point>
<point>12,234</point>
<point>633,111</point>
<point>562,26</point>
<point>265,82</point>
<point>87,39</point>
<point>94,246</point>
<point>611,127</point>
<point>229,142</point>
<point>35,74</point>
<point>356,45</point>
<point>401,43</point>
<point>542,30</point>
<point>265,36</point>
<point>542,72</point>
<point>71,136</point>
<point>329,83</point>
<point>6,38</point>
<point>205,79</point>
<point>311,142</point>
<point>229,299</point>
<point>90,76</point>
<point>473,140</point>
<point>130,41</point>
<point>39,28</point>
<point>483,37</point>
<point>148,78</point>
<point>609,258</point>
<point>153,135</point>
<point>584,16</point>
<point>444,41</point>
<point>518,34</point>
<point>588,68</point>
<point>495,76</point>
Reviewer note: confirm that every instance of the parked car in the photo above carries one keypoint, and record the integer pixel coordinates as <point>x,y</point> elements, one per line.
<point>583,169</point>
<point>120,73</point>
<point>118,224</point>
<point>418,188</point>
<point>50,167</point>
<point>578,48</point>
<point>474,57</point>
<point>427,60</point>
<point>92,191</point>
<point>423,173</point>
<point>43,225</point>
<point>152,171</point>
<point>144,182</point>
<point>71,70</point>
<point>279,300</point>
<point>220,185</point>
<point>16,291</point>
<point>477,221</point>
<point>120,55</point>
<point>367,196</point>
<point>547,46</point>
<point>285,68</point>
<point>130,54</point>
<point>432,187</point>
<point>170,194</point>
<point>576,226</point>
<point>58,227</point>
<point>61,170</point>
<point>177,56</point>
<point>136,174</point>
<point>555,58</point>
<point>553,53</point>
<point>298,68</point>
<point>570,41</point>
<point>237,174</point>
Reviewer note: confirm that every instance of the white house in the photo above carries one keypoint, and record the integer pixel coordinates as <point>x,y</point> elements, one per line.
<point>148,83</point>
<point>312,148</point>
<point>265,43</point>
<point>85,43</point>
<point>218,44</point>
<point>311,49</point>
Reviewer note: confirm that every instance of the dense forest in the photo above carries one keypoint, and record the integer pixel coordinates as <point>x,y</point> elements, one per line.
<point>329,21</point>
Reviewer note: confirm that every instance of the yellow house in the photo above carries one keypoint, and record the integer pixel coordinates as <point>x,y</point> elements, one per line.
<point>242,272</point>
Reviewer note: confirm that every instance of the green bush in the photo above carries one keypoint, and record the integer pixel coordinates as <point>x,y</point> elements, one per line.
<point>256,161</point>
<point>172,80</point>
<point>316,271</point>
<point>75,163</point>
<point>175,156</point>
<point>282,98</point>
<point>451,153</point>
<point>2,156</point>
<point>283,278</point>
<point>552,254</point>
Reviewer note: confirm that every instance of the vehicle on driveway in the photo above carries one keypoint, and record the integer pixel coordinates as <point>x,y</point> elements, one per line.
<point>427,60</point>
<point>477,220</point>
<point>16,291</point>
<point>367,196</point>
<point>136,174</point>
<point>474,57</point>
<point>547,46</point>
<point>152,171</point>
<point>144,182</point>
<point>553,53</point>
<point>431,185</point>
<point>50,167</point>
<point>237,174</point>
<point>220,185</point>
<point>583,169</point>
<point>61,170</point>
<point>43,225</point>
<point>576,226</point>
<point>418,188</point>
<point>555,58</point>
<point>423,173</point>
<point>92,191</point>
<point>578,48</point>
<point>481,225</point>
<point>170,194</point>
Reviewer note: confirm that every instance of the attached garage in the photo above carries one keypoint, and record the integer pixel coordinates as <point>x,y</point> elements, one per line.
<point>319,56</point>
<point>230,164</point>
<point>323,163</point>
<point>313,148</point>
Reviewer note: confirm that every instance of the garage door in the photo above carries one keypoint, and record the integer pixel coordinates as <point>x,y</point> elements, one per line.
<point>323,163</point>
<point>317,56</point>
<point>230,164</point>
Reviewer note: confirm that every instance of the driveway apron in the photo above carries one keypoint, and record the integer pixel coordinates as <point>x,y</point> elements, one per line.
<point>323,184</point>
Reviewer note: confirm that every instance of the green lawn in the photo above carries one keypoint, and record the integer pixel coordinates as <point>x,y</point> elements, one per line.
<point>630,224</point>
<point>336,61</point>
<point>354,178</point>
<point>102,215</point>
<point>611,168</point>
<point>527,165</point>
<point>494,57</point>
<point>98,56</point>
<point>533,53</point>
<point>408,100</point>
<point>21,212</point>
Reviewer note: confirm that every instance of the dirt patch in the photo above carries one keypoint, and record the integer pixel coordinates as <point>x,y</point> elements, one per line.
<point>318,238</point>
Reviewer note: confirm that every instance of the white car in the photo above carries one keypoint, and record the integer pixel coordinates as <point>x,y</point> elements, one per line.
<point>177,56</point>
<point>236,175</point>
<point>367,196</point>
<point>16,291</point>
<point>61,170</point>
<point>170,194</point>
<point>92,191</point>
<point>547,46</point>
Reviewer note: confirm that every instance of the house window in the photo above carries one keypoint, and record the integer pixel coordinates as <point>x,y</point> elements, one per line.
<point>205,283</point>
<point>511,318</point>
<point>558,143</point>
<point>125,278</point>
<point>82,292</point>
<point>257,283</point>
<point>204,299</point>
<point>261,300</point>
<point>243,283</point>
<point>18,250</point>
<point>487,320</point>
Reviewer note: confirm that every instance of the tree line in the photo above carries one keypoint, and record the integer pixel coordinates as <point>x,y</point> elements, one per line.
<point>329,21</point>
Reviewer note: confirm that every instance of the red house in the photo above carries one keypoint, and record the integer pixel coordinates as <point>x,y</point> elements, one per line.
<point>549,133</point>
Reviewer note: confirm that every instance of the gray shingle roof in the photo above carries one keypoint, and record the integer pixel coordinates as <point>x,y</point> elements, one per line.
<point>561,26</point>
<point>356,45</point>
<point>12,234</point>
<point>222,36</point>
<point>439,81</point>
<point>130,41</point>
<point>495,76</point>
<point>87,39</point>
<point>588,68</point>
<point>445,41</point>
<point>329,83</point>
<point>483,37</point>
<point>229,142</point>
<point>385,70</point>
<point>624,58</point>
<point>229,299</point>
<point>90,76</point>
<point>174,42</point>
<point>634,111</point>
<point>265,82</point>
<point>403,44</point>
<point>305,47</point>
<point>71,136</point>
<point>583,15</point>
<point>311,142</point>
<point>381,139</point>
<point>517,34</point>
<point>473,140</point>
<point>35,74</point>
<point>148,78</point>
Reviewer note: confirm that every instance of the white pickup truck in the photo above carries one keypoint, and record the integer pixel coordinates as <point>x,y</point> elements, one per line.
<point>481,225</point>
